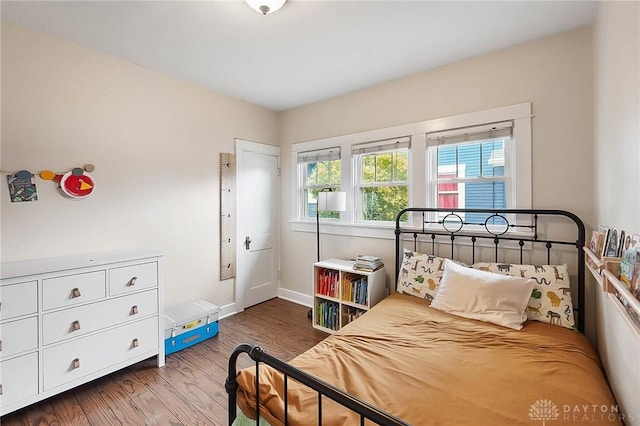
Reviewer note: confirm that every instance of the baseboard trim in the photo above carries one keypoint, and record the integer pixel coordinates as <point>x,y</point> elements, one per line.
<point>227,310</point>
<point>283,293</point>
<point>295,297</point>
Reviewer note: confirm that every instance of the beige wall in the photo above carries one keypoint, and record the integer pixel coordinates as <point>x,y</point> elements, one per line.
<point>155,142</point>
<point>554,74</point>
<point>617,187</point>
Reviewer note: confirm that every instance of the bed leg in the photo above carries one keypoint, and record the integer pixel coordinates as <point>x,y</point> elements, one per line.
<point>231,384</point>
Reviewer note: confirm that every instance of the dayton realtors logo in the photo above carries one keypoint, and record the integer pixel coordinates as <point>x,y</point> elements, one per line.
<point>544,410</point>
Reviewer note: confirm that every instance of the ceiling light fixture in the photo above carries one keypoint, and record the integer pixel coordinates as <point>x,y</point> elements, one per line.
<point>266,6</point>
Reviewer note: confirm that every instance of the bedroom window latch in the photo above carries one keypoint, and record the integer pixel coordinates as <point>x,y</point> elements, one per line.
<point>247,243</point>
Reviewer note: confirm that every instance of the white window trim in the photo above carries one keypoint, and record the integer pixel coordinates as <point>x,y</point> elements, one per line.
<point>520,114</point>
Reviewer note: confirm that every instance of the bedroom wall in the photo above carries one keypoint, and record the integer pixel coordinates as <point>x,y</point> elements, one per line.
<point>553,73</point>
<point>154,140</point>
<point>617,182</point>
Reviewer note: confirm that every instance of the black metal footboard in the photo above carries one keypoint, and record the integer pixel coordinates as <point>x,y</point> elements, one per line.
<point>256,353</point>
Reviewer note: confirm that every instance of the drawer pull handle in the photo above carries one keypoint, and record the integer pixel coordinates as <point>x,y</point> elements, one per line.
<point>75,292</point>
<point>0,345</point>
<point>1,390</point>
<point>135,343</point>
<point>132,282</point>
<point>75,325</point>
<point>75,363</point>
<point>134,309</point>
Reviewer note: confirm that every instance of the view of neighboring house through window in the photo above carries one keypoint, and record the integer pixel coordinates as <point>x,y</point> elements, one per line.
<point>320,171</point>
<point>382,178</point>
<point>469,169</point>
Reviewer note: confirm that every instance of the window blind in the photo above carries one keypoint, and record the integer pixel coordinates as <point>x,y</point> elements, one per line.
<point>384,145</point>
<point>328,154</point>
<point>471,134</point>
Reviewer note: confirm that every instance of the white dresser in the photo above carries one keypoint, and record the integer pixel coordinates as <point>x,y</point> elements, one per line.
<point>67,320</point>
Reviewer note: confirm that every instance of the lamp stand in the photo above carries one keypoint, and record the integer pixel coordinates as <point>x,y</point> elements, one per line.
<point>318,234</point>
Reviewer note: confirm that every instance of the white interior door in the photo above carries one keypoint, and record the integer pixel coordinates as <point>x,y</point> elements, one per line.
<point>257,169</point>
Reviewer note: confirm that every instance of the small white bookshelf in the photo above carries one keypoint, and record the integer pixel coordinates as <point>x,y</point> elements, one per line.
<point>341,293</point>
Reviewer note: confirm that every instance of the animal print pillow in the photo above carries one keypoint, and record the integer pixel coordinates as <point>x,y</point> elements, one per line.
<point>550,300</point>
<point>420,274</point>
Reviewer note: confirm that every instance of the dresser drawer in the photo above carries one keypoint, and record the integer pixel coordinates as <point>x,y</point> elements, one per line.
<point>133,278</point>
<point>73,289</point>
<point>18,336</point>
<point>79,358</point>
<point>18,299</point>
<point>19,378</point>
<point>81,320</point>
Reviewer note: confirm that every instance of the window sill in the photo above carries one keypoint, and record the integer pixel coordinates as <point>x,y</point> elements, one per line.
<point>346,229</point>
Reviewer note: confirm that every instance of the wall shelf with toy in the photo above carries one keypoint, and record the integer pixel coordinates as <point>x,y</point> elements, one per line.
<point>617,271</point>
<point>76,183</point>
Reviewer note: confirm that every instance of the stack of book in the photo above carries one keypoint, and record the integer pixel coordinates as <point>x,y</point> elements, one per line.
<point>367,263</point>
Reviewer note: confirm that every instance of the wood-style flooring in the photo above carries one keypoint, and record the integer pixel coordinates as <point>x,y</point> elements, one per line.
<point>189,390</point>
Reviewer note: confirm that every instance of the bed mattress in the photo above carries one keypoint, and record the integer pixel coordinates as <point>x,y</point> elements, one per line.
<point>428,367</point>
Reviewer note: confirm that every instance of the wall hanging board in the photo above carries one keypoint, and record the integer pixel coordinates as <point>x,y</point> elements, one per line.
<point>227,216</point>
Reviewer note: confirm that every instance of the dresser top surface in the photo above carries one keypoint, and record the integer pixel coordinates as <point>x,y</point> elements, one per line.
<point>28,267</point>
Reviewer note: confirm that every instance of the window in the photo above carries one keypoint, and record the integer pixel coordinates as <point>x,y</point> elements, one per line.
<point>320,170</point>
<point>470,168</point>
<point>474,160</point>
<point>382,174</point>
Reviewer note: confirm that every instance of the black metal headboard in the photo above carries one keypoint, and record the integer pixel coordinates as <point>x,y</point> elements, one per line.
<point>502,232</point>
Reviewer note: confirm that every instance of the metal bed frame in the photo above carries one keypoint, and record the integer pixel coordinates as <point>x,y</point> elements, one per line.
<point>440,228</point>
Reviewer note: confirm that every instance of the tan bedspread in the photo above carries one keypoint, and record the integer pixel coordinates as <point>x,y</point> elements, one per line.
<point>432,368</point>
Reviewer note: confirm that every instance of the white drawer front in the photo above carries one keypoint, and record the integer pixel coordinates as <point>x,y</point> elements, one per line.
<point>79,358</point>
<point>85,319</point>
<point>18,299</point>
<point>73,289</point>
<point>19,378</point>
<point>133,278</point>
<point>18,336</point>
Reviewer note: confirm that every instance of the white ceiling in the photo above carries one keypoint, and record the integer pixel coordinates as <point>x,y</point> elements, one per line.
<point>306,52</point>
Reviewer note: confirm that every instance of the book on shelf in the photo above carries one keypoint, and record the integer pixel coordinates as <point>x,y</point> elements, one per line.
<point>327,314</point>
<point>351,314</point>
<point>327,282</point>
<point>367,263</point>
<point>596,244</point>
<point>630,263</point>
<point>613,244</point>
<point>604,230</point>
<point>355,289</point>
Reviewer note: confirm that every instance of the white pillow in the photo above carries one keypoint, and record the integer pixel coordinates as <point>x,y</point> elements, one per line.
<point>484,296</point>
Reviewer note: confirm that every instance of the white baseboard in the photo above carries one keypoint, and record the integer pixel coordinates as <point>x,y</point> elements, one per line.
<point>283,293</point>
<point>295,297</point>
<point>227,310</point>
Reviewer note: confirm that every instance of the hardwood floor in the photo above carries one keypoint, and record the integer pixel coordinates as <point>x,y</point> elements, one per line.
<point>189,390</point>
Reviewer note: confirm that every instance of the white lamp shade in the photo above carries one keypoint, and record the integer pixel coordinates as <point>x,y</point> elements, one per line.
<point>266,6</point>
<point>332,200</point>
